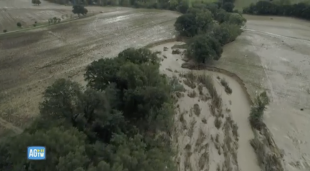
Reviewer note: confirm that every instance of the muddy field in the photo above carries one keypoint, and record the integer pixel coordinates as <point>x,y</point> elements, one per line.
<point>31,61</point>
<point>23,11</point>
<point>273,54</point>
<point>209,135</point>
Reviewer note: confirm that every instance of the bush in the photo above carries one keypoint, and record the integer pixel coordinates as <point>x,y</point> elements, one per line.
<point>224,83</point>
<point>258,109</point>
<point>4,31</point>
<point>19,24</point>
<point>79,9</point>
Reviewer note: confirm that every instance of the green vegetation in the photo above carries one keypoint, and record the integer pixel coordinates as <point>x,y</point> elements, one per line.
<point>4,31</point>
<point>209,27</point>
<point>282,8</point>
<point>36,2</point>
<point>53,20</point>
<point>79,9</point>
<point>19,24</point>
<point>121,121</point>
<point>224,83</point>
<point>257,110</point>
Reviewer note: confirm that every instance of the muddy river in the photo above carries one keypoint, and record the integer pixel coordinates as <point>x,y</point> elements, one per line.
<point>273,54</point>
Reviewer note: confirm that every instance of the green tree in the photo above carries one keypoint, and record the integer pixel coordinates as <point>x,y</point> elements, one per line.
<point>194,22</point>
<point>226,33</point>
<point>89,111</point>
<point>79,9</point>
<point>60,144</point>
<point>228,6</point>
<point>205,48</point>
<point>19,25</point>
<point>221,16</point>
<point>36,2</point>
<point>113,127</point>
<point>99,74</point>
<point>235,18</point>
<point>126,153</point>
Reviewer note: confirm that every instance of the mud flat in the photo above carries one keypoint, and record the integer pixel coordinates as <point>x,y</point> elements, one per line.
<point>212,130</point>
<point>23,11</point>
<point>273,54</point>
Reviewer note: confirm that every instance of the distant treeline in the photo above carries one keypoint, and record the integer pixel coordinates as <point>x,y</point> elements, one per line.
<point>300,10</point>
<point>179,5</point>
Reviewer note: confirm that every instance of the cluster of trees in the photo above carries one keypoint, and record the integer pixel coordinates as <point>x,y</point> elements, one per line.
<point>300,10</point>
<point>228,5</point>
<point>120,122</point>
<point>179,5</point>
<point>209,27</point>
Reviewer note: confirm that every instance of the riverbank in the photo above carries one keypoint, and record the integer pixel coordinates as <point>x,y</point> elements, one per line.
<point>206,136</point>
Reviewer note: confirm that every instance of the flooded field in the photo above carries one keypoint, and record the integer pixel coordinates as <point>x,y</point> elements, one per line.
<point>207,140</point>
<point>31,61</point>
<point>273,54</point>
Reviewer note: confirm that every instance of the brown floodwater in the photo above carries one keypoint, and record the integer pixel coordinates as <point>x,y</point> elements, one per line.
<point>272,54</point>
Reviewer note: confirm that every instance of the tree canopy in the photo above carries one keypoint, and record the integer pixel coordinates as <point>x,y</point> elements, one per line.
<point>110,125</point>
<point>205,48</point>
<point>208,28</point>
<point>79,9</point>
<point>36,2</point>
<point>282,8</point>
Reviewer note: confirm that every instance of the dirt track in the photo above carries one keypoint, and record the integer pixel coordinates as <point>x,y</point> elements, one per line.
<point>31,61</point>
